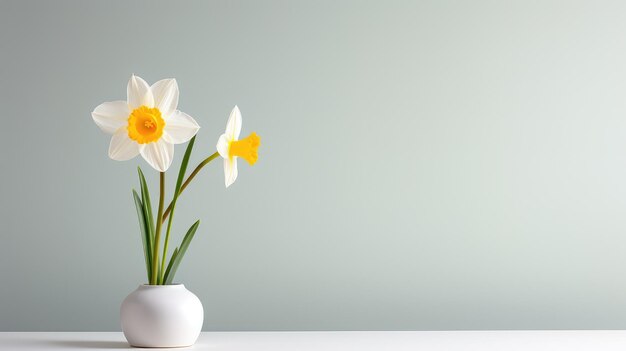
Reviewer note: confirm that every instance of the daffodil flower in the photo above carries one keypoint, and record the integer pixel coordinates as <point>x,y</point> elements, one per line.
<point>148,123</point>
<point>230,147</point>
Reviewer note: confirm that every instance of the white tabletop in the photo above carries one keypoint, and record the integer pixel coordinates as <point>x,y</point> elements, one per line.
<point>599,340</point>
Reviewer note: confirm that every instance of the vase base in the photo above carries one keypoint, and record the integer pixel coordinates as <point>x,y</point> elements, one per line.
<point>160,347</point>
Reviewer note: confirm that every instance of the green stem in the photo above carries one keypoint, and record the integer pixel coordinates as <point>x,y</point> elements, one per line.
<point>157,234</point>
<point>167,240</point>
<point>179,181</point>
<point>187,181</point>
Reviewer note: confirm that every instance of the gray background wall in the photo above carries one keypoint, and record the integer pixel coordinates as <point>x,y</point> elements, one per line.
<point>425,164</point>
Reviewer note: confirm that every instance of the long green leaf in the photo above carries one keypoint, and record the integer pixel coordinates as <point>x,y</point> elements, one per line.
<point>180,253</point>
<point>147,205</point>
<point>159,276</point>
<point>147,213</point>
<point>183,168</point>
<point>169,266</point>
<point>145,235</point>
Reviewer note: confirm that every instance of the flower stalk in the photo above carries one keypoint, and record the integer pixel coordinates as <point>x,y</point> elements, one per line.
<point>177,190</point>
<point>156,277</point>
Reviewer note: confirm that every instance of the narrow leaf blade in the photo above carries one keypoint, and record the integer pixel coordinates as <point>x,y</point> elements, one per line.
<point>183,167</point>
<point>145,198</point>
<point>147,212</point>
<point>169,266</point>
<point>145,235</point>
<point>181,252</point>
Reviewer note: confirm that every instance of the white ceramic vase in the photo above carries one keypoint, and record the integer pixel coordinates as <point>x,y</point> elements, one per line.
<point>161,316</point>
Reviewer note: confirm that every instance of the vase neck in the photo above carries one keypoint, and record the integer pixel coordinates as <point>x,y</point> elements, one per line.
<point>171,286</point>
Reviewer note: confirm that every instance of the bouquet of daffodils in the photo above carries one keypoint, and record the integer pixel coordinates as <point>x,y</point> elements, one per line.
<point>149,123</point>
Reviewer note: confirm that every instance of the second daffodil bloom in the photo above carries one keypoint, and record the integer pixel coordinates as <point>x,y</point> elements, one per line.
<point>230,147</point>
<point>147,123</point>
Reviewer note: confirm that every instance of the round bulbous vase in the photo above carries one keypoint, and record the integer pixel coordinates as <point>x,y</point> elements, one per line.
<point>161,316</point>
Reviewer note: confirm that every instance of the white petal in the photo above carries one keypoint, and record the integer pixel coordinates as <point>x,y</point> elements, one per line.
<point>233,127</point>
<point>110,116</point>
<point>222,146</point>
<point>230,170</point>
<point>165,93</point>
<point>139,93</point>
<point>158,154</point>
<point>122,147</point>
<point>179,128</point>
